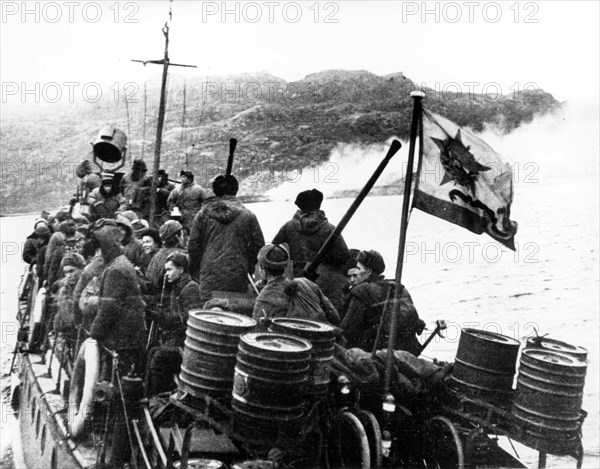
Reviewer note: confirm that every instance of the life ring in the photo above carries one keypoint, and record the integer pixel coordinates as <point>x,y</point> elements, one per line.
<point>81,390</point>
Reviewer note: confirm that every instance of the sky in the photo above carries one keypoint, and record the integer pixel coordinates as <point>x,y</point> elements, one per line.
<point>50,51</point>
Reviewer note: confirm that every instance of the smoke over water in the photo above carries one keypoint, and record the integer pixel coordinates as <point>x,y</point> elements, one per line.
<point>348,169</point>
<point>563,144</point>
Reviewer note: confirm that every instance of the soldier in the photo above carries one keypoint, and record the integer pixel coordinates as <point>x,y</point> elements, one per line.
<point>151,244</point>
<point>185,295</point>
<point>368,303</point>
<point>282,297</point>
<point>305,234</point>
<point>106,199</point>
<point>64,321</point>
<point>188,198</point>
<point>40,236</point>
<point>224,241</point>
<point>132,185</point>
<point>172,238</point>
<point>119,324</point>
<point>132,247</point>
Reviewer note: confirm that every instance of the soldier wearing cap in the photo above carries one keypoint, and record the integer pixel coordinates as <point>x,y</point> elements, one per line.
<point>367,305</point>
<point>185,295</point>
<point>64,321</point>
<point>224,240</point>
<point>139,227</point>
<point>106,199</point>
<point>172,238</point>
<point>163,181</point>
<point>188,198</point>
<point>63,230</point>
<point>277,298</point>
<point>163,190</point>
<point>40,236</point>
<point>132,185</point>
<point>72,241</point>
<point>89,175</point>
<point>132,247</point>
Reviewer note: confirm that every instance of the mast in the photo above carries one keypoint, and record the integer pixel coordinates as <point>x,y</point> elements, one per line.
<point>395,309</point>
<point>165,61</point>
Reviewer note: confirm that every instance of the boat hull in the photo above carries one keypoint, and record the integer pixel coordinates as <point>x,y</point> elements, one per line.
<point>42,423</point>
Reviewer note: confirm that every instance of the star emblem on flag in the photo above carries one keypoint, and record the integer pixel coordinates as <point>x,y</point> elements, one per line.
<point>458,162</point>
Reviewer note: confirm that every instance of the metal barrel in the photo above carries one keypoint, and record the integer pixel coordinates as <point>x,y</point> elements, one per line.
<point>322,337</point>
<point>554,345</point>
<point>271,375</point>
<point>209,355</point>
<point>549,396</point>
<point>485,365</point>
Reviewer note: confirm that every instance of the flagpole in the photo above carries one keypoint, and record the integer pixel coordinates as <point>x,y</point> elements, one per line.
<point>417,97</point>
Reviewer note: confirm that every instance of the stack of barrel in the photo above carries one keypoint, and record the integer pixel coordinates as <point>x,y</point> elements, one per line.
<point>549,394</point>
<point>485,366</point>
<point>270,379</point>
<point>209,356</point>
<point>547,401</point>
<point>322,337</point>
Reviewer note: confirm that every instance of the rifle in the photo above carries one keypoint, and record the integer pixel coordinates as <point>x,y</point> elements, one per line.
<point>232,145</point>
<point>153,332</point>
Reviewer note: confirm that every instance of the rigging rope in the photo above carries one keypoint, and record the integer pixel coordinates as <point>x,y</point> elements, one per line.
<point>144,124</point>
<point>128,121</point>
<point>181,137</point>
<point>202,109</point>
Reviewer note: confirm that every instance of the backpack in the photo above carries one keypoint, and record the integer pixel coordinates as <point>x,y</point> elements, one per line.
<point>304,302</point>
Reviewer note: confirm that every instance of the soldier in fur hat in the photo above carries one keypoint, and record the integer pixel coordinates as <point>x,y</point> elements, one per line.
<point>305,234</point>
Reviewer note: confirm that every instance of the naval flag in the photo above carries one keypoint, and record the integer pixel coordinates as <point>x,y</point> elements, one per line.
<point>463,180</point>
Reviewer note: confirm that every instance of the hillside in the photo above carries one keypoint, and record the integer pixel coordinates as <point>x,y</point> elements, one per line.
<point>280,127</point>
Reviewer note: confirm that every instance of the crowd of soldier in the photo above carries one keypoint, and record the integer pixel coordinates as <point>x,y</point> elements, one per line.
<point>129,284</point>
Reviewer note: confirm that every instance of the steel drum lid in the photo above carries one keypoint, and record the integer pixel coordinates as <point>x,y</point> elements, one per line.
<point>198,463</point>
<point>492,337</point>
<point>278,344</point>
<point>223,318</point>
<point>554,361</point>
<point>546,343</point>
<point>306,325</point>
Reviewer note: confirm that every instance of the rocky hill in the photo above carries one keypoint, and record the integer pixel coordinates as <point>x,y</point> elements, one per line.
<point>280,127</point>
